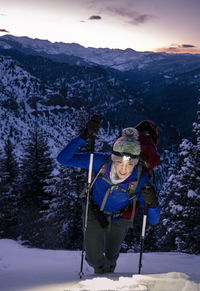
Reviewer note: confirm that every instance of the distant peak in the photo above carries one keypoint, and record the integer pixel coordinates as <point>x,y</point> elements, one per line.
<point>130,50</point>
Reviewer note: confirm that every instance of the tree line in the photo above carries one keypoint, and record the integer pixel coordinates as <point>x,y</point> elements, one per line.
<point>37,205</point>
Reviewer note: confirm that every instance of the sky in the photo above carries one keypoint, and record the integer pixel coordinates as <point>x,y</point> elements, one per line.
<point>31,269</point>
<point>142,25</point>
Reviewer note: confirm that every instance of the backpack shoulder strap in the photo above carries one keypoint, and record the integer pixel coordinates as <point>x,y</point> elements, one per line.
<point>133,185</point>
<point>100,173</point>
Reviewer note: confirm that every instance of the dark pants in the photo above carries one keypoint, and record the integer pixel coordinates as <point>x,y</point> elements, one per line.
<point>104,242</point>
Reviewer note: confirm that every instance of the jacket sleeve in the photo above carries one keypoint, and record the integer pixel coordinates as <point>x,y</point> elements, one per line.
<point>153,215</point>
<point>69,156</point>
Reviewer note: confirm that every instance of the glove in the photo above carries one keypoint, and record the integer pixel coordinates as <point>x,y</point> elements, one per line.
<point>149,195</point>
<point>92,127</point>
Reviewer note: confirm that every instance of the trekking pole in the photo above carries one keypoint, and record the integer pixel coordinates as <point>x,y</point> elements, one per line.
<point>142,235</point>
<point>87,201</point>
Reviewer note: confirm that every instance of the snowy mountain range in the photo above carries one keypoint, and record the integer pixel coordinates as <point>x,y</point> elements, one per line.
<point>123,60</point>
<point>144,85</point>
<point>26,100</point>
<point>114,58</point>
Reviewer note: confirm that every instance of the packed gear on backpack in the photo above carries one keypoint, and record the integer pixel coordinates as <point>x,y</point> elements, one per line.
<point>149,127</point>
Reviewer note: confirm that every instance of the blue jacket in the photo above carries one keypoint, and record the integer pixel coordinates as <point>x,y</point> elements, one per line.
<point>117,199</point>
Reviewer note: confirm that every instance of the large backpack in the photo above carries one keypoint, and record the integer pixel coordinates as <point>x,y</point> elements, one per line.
<point>148,138</point>
<point>149,127</point>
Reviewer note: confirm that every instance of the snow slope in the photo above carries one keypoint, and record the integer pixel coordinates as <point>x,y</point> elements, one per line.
<point>28,269</point>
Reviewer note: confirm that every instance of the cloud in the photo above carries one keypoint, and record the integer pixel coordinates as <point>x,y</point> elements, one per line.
<point>95,17</point>
<point>180,49</point>
<point>143,18</point>
<point>130,16</point>
<point>188,45</point>
<point>4,30</point>
<point>124,11</point>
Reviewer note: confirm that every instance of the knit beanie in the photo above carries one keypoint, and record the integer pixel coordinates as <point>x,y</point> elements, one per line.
<point>127,145</point>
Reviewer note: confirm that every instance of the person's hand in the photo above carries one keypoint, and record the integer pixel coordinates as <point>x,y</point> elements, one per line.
<point>92,127</point>
<point>149,195</point>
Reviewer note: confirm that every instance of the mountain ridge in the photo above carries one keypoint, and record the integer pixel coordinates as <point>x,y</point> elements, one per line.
<point>159,88</point>
<point>122,60</point>
<point>115,58</point>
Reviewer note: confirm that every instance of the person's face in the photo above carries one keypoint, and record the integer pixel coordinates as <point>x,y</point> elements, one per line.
<point>124,168</point>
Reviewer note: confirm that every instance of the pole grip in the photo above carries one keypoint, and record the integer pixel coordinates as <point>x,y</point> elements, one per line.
<point>145,209</point>
<point>92,143</point>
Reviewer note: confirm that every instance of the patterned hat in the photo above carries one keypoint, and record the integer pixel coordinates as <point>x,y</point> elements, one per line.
<point>127,145</point>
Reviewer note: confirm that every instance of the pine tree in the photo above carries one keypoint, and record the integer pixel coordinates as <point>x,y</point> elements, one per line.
<point>9,192</point>
<point>56,213</point>
<point>181,206</point>
<point>36,169</point>
<point>77,185</point>
<point>64,212</point>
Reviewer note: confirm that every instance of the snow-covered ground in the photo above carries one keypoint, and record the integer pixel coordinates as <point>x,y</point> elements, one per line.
<point>28,269</point>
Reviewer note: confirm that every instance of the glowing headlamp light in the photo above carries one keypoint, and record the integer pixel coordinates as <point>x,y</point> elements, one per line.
<point>126,158</point>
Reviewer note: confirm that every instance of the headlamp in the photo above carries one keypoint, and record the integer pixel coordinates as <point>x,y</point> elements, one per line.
<point>126,158</point>
<point>127,155</point>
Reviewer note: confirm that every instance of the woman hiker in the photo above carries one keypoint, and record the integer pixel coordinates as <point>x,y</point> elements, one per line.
<point>120,185</point>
